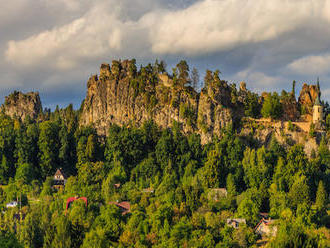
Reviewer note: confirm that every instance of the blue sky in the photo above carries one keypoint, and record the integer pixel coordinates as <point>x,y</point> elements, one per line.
<point>53,46</point>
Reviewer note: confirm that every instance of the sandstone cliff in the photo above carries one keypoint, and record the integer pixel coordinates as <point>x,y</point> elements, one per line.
<point>120,96</point>
<point>20,105</point>
<point>307,98</point>
<point>124,96</point>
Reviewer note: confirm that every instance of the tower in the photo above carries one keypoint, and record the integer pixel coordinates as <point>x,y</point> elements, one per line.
<point>318,108</point>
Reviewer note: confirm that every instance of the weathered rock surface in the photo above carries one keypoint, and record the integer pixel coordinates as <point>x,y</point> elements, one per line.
<point>116,98</point>
<point>20,105</point>
<point>263,130</point>
<point>119,97</point>
<point>307,98</point>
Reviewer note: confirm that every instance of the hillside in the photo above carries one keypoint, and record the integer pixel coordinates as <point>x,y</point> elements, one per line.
<point>149,162</point>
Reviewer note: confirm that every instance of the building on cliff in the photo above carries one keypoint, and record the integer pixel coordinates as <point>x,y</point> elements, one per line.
<point>317,111</point>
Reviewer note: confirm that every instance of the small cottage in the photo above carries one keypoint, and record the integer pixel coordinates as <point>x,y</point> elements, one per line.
<point>266,228</point>
<point>235,223</point>
<point>59,179</point>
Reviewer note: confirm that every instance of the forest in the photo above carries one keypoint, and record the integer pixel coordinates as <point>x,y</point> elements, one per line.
<point>168,179</point>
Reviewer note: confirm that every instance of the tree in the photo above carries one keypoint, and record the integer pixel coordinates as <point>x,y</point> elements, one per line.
<point>252,105</point>
<point>312,132</point>
<point>293,88</point>
<point>321,196</point>
<point>195,78</point>
<point>48,147</point>
<point>62,237</point>
<point>208,79</point>
<point>25,172</point>
<point>183,76</point>
<point>231,187</point>
<point>299,192</point>
<point>212,170</point>
<point>8,240</point>
<point>249,210</point>
<point>272,106</point>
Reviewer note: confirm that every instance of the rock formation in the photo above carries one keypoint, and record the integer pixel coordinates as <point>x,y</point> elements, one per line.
<point>307,98</point>
<point>121,95</point>
<point>117,96</point>
<point>20,105</point>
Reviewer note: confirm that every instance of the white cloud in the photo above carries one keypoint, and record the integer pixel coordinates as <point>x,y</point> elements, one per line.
<point>206,26</point>
<point>311,65</point>
<point>61,41</point>
<point>257,80</point>
<point>212,25</point>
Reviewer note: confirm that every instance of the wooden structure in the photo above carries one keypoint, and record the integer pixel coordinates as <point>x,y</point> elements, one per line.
<point>266,228</point>
<point>59,179</point>
<point>235,223</point>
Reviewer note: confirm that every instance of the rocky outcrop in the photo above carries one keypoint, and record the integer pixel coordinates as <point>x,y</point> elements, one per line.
<point>262,131</point>
<point>307,98</point>
<point>121,95</point>
<point>118,96</point>
<point>20,105</point>
<point>215,111</point>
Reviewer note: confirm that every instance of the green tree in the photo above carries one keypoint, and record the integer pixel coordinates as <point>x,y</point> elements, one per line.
<point>195,78</point>
<point>48,147</point>
<point>293,88</point>
<point>321,196</point>
<point>9,241</point>
<point>272,106</point>
<point>25,172</point>
<point>252,106</point>
<point>299,192</point>
<point>62,237</point>
<point>183,76</point>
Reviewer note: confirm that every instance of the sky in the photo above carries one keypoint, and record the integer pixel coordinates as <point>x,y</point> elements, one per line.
<point>53,46</point>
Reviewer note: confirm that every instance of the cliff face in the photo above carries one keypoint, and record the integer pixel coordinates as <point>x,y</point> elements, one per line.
<point>120,95</point>
<point>307,98</point>
<point>117,96</point>
<point>21,105</point>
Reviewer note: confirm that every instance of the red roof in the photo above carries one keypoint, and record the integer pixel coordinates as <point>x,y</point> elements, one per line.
<point>266,222</point>
<point>125,206</point>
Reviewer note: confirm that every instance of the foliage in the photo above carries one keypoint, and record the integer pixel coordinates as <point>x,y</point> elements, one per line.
<point>272,106</point>
<point>164,174</point>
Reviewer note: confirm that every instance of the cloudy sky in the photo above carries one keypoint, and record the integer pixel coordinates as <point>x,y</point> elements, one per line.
<point>53,46</point>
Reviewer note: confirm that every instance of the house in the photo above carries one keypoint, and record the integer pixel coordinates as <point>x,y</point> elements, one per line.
<point>217,193</point>
<point>125,206</point>
<point>12,204</point>
<point>59,179</point>
<point>235,222</point>
<point>266,227</point>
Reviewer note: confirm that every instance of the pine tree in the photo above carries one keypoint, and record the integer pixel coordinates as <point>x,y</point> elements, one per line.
<point>195,78</point>
<point>321,196</point>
